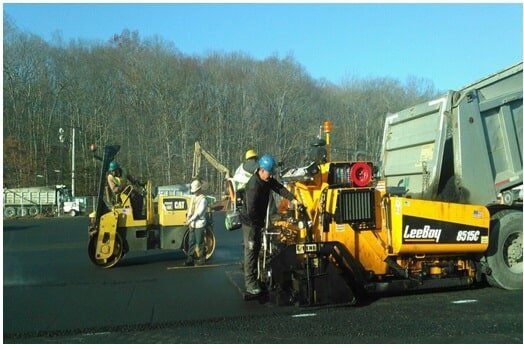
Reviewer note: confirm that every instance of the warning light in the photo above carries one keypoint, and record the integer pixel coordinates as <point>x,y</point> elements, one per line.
<point>328,125</point>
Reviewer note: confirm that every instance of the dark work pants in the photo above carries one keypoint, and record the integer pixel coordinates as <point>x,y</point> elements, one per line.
<point>252,244</point>
<point>196,238</point>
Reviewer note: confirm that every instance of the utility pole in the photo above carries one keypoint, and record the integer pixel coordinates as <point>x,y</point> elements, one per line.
<point>61,139</point>
<point>73,164</point>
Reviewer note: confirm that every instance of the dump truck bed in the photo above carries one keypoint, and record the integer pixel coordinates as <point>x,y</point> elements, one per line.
<point>464,146</point>
<point>30,196</point>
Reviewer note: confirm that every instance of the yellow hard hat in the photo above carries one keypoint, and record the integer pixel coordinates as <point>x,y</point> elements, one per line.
<point>251,154</point>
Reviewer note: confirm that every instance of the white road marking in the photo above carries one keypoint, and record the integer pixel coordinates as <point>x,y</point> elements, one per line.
<point>96,333</point>
<point>465,301</point>
<point>304,315</point>
<point>240,290</point>
<point>201,266</point>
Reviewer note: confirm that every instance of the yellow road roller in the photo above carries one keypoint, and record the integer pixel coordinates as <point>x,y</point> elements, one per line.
<point>114,229</point>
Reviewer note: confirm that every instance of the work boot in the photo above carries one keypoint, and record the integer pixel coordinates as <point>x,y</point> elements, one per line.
<point>189,263</point>
<point>201,261</point>
<point>254,290</point>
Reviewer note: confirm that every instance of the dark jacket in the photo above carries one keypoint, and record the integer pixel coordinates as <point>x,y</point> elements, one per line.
<point>253,212</point>
<point>250,165</point>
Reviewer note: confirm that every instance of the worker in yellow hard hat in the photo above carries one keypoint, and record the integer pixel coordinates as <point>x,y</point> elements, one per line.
<point>246,170</point>
<point>251,154</point>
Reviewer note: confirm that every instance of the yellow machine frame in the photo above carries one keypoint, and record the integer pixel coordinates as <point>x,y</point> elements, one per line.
<point>402,239</point>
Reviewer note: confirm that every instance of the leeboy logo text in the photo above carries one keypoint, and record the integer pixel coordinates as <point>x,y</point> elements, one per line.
<point>424,233</point>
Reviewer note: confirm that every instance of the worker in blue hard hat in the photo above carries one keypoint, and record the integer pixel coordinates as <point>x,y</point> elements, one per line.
<point>253,214</point>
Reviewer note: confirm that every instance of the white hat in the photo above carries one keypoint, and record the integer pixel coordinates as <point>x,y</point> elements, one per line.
<point>195,186</point>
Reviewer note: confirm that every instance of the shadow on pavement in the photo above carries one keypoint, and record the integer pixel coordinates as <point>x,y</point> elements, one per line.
<point>128,261</point>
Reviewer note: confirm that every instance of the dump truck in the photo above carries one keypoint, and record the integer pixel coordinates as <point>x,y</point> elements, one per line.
<point>465,147</point>
<point>47,200</point>
<point>353,236</point>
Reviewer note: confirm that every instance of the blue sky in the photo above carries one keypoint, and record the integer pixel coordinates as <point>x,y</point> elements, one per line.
<point>449,44</point>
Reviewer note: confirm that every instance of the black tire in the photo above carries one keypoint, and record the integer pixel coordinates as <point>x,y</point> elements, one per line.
<point>73,213</point>
<point>9,212</point>
<point>117,255</point>
<point>47,211</point>
<point>21,212</point>
<point>504,255</point>
<point>33,211</point>
<point>209,241</point>
<point>185,242</point>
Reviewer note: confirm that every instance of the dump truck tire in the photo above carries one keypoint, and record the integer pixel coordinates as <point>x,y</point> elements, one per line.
<point>9,212</point>
<point>33,211</point>
<point>504,256</point>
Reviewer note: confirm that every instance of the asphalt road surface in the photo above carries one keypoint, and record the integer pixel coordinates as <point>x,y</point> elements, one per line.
<point>53,294</point>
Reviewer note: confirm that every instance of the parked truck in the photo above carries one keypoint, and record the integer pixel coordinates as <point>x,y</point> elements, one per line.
<point>48,200</point>
<point>465,147</point>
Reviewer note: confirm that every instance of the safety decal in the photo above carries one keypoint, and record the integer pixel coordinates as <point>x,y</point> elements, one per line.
<point>478,214</point>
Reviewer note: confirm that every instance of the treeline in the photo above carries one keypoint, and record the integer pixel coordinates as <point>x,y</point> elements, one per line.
<point>156,102</point>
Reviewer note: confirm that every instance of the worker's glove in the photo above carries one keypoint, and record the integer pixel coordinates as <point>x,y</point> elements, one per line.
<point>295,202</point>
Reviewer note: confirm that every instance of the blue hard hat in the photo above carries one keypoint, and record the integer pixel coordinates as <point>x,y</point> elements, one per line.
<point>267,163</point>
<point>113,165</point>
